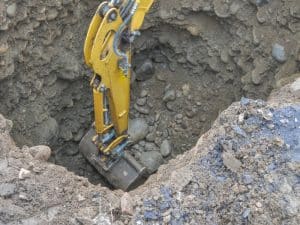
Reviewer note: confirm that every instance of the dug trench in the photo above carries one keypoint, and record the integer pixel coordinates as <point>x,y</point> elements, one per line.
<point>191,62</point>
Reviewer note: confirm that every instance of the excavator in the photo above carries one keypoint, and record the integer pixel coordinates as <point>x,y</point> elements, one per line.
<point>107,52</point>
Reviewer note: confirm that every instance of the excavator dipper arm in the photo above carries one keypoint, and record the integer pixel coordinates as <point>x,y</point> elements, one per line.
<point>107,52</point>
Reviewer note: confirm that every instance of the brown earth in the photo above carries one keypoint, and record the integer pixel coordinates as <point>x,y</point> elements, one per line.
<point>221,51</point>
<point>193,60</point>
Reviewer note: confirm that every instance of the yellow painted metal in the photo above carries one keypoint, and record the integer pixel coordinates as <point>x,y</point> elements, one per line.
<point>89,41</point>
<point>138,18</point>
<point>113,144</point>
<point>100,56</point>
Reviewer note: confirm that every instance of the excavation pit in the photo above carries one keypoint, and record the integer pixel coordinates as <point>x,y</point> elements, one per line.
<point>182,81</point>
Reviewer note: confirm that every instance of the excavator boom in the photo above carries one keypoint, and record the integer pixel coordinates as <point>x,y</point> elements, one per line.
<point>107,52</point>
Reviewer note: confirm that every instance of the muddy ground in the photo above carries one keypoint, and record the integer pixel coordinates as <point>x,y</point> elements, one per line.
<point>194,59</point>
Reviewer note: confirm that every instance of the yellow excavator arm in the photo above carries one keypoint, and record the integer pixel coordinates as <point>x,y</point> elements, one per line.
<point>107,51</point>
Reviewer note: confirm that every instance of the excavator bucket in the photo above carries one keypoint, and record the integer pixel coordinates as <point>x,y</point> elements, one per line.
<point>123,172</point>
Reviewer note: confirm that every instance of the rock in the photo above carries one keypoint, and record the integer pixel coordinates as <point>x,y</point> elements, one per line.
<point>262,2</point>
<point>165,148</point>
<point>258,204</point>
<point>151,137</point>
<point>142,110</point>
<point>41,152</point>
<point>145,71</point>
<point>7,189</point>
<point>247,178</point>
<point>151,160</point>
<point>132,77</point>
<point>285,187</point>
<point>46,131</point>
<point>246,213</point>
<point>5,125</point>
<point>295,86</point>
<point>80,198</point>
<point>231,162</point>
<point>143,94</point>
<point>170,95</point>
<point>278,52</point>
<point>137,129</point>
<point>181,178</point>
<point>150,147</point>
<point>141,101</point>
<point>126,204</point>
<point>11,10</point>
<point>24,174</point>
<point>221,9</point>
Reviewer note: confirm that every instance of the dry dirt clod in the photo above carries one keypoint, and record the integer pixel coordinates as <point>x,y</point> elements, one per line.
<point>231,162</point>
<point>127,204</point>
<point>23,174</point>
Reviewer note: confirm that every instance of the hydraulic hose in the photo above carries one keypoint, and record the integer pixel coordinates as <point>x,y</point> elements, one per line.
<point>117,38</point>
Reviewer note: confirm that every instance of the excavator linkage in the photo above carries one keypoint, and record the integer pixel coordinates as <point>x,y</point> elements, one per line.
<point>107,52</point>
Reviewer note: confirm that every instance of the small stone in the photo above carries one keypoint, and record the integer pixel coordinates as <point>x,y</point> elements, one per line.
<point>231,162</point>
<point>258,204</point>
<point>138,129</point>
<point>144,94</point>
<point>7,189</point>
<point>170,95</point>
<point>241,118</point>
<point>245,101</point>
<point>150,137</point>
<point>247,179</point>
<point>186,89</point>
<point>278,52</point>
<point>11,10</point>
<point>246,213</point>
<point>295,86</point>
<point>80,198</point>
<point>142,110</point>
<point>150,147</point>
<point>3,48</point>
<point>24,174</point>
<point>285,187</point>
<point>151,160</point>
<point>141,101</point>
<point>126,204</point>
<point>165,148</point>
<point>23,196</point>
<point>262,2</point>
<point>41,152</point>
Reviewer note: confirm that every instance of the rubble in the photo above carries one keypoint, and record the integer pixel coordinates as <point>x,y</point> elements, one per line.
<point>192,61</point>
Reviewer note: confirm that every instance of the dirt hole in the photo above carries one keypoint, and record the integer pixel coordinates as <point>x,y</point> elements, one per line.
<point>189,64</point>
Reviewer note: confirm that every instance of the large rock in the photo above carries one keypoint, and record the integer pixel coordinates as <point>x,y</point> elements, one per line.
<point>46,131</point>
<point>151,160</point>
<point>145,71</point>
<point>41,152</point>
<point>137,130</point>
